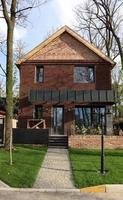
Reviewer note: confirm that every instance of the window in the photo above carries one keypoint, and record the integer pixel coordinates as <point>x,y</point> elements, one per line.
<point>38,112</point>
<point>83,116</point>
<point>83,74</point>
<point>39,73</point>
<point>89,116</point>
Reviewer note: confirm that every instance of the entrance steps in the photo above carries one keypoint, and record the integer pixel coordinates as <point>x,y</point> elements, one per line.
<point>58,141</point>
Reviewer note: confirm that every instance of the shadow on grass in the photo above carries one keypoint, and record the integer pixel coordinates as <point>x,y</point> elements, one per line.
<point>114,154</point>
<point>86,170</point>
<point>84,152</point>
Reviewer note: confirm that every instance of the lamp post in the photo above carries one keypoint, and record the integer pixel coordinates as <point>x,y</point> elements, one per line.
<point>103,129</point>
<point>102,156</point>
<point>102,168</point>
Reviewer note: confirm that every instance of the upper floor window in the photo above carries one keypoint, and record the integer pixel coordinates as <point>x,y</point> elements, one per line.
<point>39,73</point>
<point>83,74</point>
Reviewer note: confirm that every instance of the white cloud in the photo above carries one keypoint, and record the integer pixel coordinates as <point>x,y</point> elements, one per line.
<point>19,32</point>
<point>66,8</point>
<point>2,27</point>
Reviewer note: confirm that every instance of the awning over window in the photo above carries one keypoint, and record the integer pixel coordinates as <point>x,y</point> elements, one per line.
<point>78,96</point>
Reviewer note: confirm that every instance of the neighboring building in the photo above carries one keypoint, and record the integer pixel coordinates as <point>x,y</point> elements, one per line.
<point>3,117</point>
<point>66,81</point>
<point>2,126</point>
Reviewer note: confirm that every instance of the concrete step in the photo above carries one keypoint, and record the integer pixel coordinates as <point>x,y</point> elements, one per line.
<point>58,141</point>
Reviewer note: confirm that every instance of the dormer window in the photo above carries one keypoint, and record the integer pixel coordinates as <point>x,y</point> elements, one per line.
<point>83,74</point>
<point>39,73</point>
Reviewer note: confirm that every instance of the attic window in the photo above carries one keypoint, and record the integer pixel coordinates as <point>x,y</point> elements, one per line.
<point>83,74</point>
<point>39,73</point>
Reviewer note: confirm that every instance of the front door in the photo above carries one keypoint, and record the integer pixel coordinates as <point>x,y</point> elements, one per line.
<point>58,120</point>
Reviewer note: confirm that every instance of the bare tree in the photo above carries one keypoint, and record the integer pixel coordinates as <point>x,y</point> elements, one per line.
<point>117,79</point>
<point>2,88</point>
<point>14,12</point>
<point>19,49</point>
<point>101,21</point>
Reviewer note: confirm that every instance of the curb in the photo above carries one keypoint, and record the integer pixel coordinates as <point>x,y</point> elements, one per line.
<point>38,190</point>
<point>108,188</point>
<point>95,189</point>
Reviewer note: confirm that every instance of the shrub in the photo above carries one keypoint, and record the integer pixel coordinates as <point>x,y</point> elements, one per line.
<point>90,130</point>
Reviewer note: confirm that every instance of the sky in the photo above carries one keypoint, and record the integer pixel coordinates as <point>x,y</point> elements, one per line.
<point>48,18</point>
<point>42,22</point>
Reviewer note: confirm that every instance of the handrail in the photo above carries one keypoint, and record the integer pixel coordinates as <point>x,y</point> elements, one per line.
<point>36,125</point>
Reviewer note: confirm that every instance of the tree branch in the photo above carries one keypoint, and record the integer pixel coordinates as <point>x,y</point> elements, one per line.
<point>5,12</point>
<point>28,8</point>
<point>12,10</point>
<point>3,70</point>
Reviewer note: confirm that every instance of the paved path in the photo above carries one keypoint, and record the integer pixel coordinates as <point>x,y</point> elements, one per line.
<point>3,185</point>
<point>55,171</point>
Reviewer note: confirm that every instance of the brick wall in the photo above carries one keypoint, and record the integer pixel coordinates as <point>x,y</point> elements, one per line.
<point>103,77</point>
<point>66,47</point>
<point>56,76</point>
<point>93,141</point>
<point>59,75</point>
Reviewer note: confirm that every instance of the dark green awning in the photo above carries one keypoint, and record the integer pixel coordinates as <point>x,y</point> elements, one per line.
<point>72,95</point>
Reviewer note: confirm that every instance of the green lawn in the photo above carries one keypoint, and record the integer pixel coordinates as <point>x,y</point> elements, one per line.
<point>86,165</point>
<point>23,172</point>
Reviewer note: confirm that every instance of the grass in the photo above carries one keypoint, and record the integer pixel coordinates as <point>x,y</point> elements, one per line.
<point>86,165</point>
<point>23,172</point>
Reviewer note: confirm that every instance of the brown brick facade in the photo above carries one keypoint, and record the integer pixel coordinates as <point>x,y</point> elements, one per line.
<point>55,77</point>
<point>58,59</point>
<point>66,47</point>
<point>94,141</point>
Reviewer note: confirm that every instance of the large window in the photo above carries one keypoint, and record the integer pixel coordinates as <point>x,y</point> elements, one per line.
<point>89,116</point>
<point>39,73</point>
<point>83,116</point>
<point>38,112</point>
<point>83,74</point>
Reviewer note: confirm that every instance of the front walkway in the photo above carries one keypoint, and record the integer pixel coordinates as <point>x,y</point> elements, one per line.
<point>55,172</point>
<point>3,185</point>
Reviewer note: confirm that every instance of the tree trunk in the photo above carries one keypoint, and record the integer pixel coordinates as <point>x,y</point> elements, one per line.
<point>9,85</point>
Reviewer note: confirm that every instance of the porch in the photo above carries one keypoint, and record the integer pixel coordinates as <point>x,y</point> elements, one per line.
<point>64,109</point>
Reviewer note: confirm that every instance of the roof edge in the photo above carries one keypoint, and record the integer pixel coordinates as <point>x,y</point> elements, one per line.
<point>41,45</point>
<point>72,33</point>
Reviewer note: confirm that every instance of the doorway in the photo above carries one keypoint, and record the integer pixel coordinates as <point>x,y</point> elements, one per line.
<point>58,120</point>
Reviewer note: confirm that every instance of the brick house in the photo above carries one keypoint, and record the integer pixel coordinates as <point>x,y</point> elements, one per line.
<point>65,80</point>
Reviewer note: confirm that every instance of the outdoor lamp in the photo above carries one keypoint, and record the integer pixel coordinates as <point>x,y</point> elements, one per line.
<point>102,169</point>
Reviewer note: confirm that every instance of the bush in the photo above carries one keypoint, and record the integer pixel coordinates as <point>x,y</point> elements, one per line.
<point>91,130</point>
<point>118,126</point>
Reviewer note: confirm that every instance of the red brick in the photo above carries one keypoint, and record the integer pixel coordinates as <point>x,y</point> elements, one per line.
<point>94,141</point>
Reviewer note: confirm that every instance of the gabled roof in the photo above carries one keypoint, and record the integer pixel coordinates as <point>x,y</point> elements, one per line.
<point>57,34</point>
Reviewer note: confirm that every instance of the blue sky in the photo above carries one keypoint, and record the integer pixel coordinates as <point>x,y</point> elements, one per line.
<point>47,18</point>
<point>41,22</point>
